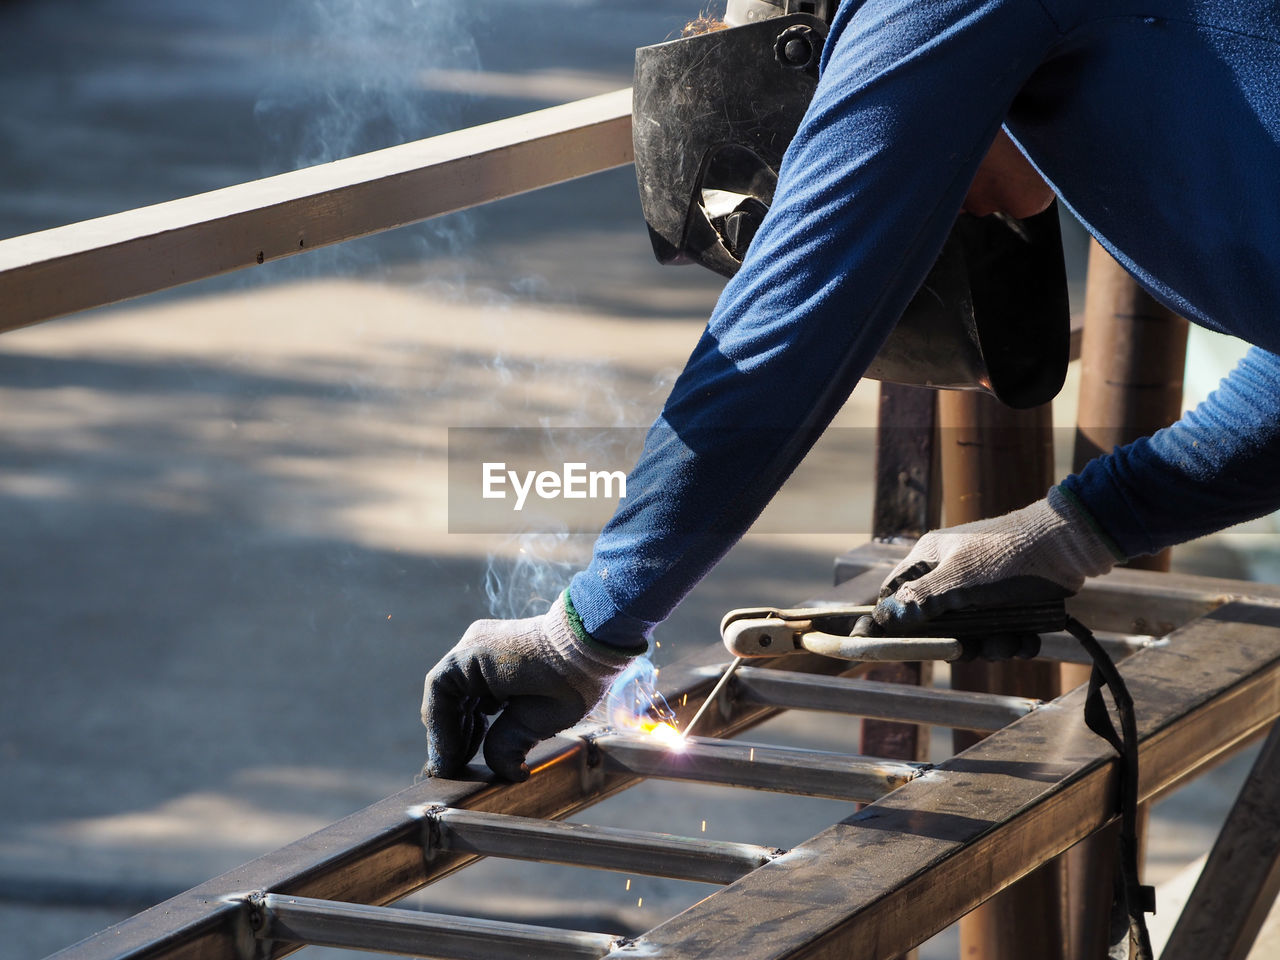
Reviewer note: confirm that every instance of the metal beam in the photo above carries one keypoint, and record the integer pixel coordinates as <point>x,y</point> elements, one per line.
<point>897,872</point>
<point>376,855</point>
<point>303,920</point>
<point>883,701</point>
<point>1066,649</point>
<point>1241,878</point>
<point>55,272</point>
<point>810,773</point>
<point>1198,696</point>
<point>581,845</point>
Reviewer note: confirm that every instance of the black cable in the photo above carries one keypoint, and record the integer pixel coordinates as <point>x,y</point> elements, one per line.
<point>1132,900</point>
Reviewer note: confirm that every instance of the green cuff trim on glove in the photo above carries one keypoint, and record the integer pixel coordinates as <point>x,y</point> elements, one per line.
<point>580,631</point>
<point>1107,542</point>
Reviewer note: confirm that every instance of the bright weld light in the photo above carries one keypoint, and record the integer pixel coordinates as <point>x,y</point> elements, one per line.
<point>667,734</point>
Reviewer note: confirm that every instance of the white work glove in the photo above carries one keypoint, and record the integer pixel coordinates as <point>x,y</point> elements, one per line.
<point>537,671</point>
<point>1041,552</point>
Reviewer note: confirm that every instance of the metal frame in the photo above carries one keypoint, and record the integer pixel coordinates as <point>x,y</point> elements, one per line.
<point>59,271</point>
<point>960,831</point>
<point>1241,877</point>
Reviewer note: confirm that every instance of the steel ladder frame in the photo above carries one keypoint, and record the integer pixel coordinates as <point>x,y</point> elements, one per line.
<point>934,842</point>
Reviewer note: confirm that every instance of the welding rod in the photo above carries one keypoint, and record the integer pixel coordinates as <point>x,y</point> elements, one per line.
<point>715,691</point>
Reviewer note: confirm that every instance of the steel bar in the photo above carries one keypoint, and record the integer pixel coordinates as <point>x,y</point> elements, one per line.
<point>908,502</point>
<point>1241,878</point>
<point>376,855</point>
<point>55,272</point>
<point>813,773</point>
<point>897,872</point>
<point>1066,649</point>
<point>1190,717</point>
<point>883,701</point>
<point>907,494</point>
<point>577,844</point>
<point>1132,358</point>
<point>329,923</point>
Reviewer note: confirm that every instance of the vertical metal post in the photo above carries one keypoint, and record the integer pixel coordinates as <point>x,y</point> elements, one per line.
<point>908,496</point>
<point>907,505</point>
<point>1239,882</point>
<point>1132,359</point>
<point>995,459</point>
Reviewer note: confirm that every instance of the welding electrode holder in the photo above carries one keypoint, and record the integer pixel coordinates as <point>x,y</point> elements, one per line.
<point>849,633</point>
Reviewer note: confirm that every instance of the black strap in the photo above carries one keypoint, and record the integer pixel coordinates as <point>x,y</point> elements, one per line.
<point>1132,901</point>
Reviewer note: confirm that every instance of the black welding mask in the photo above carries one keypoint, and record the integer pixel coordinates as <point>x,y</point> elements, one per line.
<point>712,116</point>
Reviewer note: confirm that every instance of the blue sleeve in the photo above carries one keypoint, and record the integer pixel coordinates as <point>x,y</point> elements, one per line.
<point>910,97</point>
<point>1217,466</point>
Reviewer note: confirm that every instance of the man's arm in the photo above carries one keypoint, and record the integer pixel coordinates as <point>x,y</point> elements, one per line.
<point>1217,466</point>
<point>910,99</point>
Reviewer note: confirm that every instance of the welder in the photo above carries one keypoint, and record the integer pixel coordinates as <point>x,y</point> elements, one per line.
<point>1156,122</point>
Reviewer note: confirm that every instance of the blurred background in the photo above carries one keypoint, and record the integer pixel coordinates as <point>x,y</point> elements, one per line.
<point>225,561</point>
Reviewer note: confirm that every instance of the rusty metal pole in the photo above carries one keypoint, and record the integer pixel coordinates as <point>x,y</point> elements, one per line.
<point>907,505</point>
<point>995,459</point>
<point>1132,360</point>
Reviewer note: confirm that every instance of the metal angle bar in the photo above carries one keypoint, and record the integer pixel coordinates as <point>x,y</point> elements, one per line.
<point>895,873</point>
<point>578,844</point>
<point>356,926</point>
<point>813,773</point>
<point>1241,878</point>
<point>82,265</point>
<point>1067,649</point>
<point>376,854</point>
<point>881,701</point>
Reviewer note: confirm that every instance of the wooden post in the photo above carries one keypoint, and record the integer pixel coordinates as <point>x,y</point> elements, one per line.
<point>995,459</point>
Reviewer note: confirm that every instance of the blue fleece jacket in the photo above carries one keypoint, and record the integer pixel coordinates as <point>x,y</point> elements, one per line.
<point>1156,121</point>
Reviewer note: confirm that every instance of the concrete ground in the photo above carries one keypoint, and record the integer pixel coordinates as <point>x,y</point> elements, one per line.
<point>227,564</point>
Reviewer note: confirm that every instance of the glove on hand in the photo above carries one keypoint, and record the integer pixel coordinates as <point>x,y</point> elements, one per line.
<point>1041,552</point>
<point>536,671</point>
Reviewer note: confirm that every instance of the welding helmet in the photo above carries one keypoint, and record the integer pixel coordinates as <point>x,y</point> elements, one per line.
<point>713,114</point>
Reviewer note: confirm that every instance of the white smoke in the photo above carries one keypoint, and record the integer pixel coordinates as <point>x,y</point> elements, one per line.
<point>524,577</point>
<point>347,79</point>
